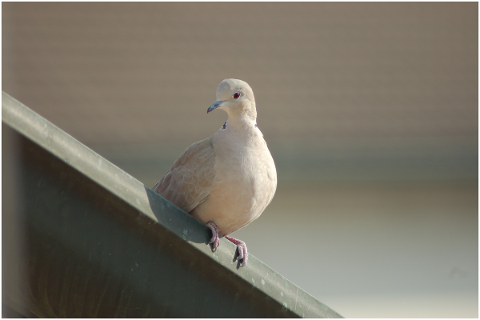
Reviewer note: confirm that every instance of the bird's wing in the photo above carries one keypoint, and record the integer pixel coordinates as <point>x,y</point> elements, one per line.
<point>189,182</point>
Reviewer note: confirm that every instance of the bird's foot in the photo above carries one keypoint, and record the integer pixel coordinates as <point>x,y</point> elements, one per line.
<point>214,241</point>
<point>241,254</point>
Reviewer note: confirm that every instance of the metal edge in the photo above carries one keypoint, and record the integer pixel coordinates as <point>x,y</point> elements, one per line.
<point>130,190</point>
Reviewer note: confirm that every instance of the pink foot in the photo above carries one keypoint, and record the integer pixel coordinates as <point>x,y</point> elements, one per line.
<point>214,240</point>
<point>242,253</point>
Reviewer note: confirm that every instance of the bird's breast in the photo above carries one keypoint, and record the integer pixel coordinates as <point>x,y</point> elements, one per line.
<point>245,182</point>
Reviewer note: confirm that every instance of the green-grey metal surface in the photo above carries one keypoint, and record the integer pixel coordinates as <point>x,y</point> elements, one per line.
<point>82,238</point>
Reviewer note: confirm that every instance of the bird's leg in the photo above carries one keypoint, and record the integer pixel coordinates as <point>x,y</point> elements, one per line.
<point>242,253</point>
<point>214,240</point>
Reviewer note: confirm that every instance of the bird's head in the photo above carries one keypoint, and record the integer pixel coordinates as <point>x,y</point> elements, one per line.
<point>236,98</point>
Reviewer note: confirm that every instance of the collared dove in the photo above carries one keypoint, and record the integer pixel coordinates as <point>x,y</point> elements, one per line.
<point>227,180</point>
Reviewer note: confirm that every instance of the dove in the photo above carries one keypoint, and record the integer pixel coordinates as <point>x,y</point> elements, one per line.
<point>225,181</point>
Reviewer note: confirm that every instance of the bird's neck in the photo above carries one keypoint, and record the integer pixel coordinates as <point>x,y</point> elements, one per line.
<point>240,123</point>
<point>237,134</point>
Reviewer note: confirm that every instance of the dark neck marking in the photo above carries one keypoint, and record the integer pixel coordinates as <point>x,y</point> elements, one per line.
<point>225,125</point>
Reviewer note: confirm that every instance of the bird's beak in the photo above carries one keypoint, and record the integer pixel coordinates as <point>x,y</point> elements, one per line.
<point>215,105</point>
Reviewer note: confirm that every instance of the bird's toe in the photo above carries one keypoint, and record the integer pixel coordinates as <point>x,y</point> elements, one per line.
<point>214,241</point>
<point>241,253</point>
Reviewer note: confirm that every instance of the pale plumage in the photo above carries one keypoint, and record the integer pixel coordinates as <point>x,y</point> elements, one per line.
<point>227,180</point>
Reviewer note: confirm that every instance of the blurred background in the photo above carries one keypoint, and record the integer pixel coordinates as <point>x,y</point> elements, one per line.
<point>370,111</point>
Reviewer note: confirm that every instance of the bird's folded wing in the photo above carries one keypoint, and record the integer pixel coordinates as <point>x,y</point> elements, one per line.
<point>189,182</point>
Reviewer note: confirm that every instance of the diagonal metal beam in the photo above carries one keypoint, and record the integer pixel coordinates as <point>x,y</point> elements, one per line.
<point>82,238</point>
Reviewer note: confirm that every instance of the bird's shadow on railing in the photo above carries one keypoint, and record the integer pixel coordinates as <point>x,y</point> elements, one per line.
<point>180,222</point>
<point>177,220</point>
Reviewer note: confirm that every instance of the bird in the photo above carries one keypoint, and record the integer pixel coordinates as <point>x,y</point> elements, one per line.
<point>227,180</point>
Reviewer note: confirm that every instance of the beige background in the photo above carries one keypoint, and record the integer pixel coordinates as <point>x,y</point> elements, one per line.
<point>370,111</point>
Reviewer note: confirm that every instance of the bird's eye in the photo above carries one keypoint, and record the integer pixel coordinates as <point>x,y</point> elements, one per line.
<point>236,95</point>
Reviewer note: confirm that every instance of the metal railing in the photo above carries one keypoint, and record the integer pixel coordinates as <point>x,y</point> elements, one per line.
<point>82,238</point>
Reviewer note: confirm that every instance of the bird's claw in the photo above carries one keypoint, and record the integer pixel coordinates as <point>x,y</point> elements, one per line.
<point>214,241</point>
<point>241,253</point>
